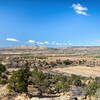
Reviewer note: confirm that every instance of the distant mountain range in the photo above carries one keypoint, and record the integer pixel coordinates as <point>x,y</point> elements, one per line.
<point>28,47</point>
<point>43,50</point>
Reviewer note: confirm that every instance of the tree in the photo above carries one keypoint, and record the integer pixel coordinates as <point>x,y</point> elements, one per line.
<point>53,64</point>
<point>62,86</point>
<point>92,88</point>
<point>39,80</point>
<point>60,77</point>
<point>18,82</point>
<point>75,80</point>
<point>58,61</point>
<point>2,68</point>
<point>67,62</point>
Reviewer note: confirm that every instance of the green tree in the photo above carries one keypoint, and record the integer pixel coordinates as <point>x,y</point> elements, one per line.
<point>92,88</point>
<point>60,77</point>
<point>39,80</point>
<point>58,61</point>
<point>62,86</point>
<point>2,68</point>
<point>75,80</point>
<point>67,62</point>
<point>18,82</point>
<point>53,64</point>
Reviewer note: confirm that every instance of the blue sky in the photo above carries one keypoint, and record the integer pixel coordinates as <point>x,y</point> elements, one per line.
<point>54,23</point>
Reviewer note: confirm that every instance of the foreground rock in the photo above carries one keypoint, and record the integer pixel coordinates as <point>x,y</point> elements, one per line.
<point>4,92</point>
<point>4,95</point>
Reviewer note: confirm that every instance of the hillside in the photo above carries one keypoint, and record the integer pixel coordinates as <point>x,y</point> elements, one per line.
<point>43,50</point>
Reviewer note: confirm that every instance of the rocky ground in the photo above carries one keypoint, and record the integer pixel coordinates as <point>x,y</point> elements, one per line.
<point>4,95</point>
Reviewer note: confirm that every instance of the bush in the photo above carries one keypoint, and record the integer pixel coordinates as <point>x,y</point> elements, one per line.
<point>18,82</point>
<point>60,78</point>
<point>39,80</point>
<point>2,68</point>
<point>92,88</point>
<point>75,80</point>
<point>61,84</point>
<point>62,87</point>
<point>4,76</point>
<point>53,64</point>
<point>67,62</point>
<point>3,82</point>
<point>59,61</point>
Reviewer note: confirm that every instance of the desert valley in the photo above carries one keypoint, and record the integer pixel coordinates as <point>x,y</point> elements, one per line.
<point>68,73</point>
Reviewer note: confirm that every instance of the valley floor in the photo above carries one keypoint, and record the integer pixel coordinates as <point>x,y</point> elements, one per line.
<point>80,70</point>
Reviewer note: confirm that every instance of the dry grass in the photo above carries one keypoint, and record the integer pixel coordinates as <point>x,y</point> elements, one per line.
<point>81,70</point>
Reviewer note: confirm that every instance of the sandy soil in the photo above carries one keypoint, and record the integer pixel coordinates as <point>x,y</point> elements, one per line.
<point>80,70</point>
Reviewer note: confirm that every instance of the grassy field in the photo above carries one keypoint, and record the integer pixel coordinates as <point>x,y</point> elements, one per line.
<point>94,56</point>
<point>80,70</point>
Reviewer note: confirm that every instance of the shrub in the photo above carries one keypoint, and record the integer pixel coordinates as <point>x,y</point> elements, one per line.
<point>2,68</point>
<point>62,87</point>
<point>60,78</point>
<point>3,82</point>
<point>61,84</point>
<point>4,76</point>
<point>59,61</point>
<point>18,82</point>
<point>92,88</point>
<point>53,64</point>
<point>67,62</point>
<point>40,80</point>
<point>75,80</point>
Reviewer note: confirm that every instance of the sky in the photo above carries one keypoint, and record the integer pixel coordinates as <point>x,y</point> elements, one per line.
<point>53,23</point>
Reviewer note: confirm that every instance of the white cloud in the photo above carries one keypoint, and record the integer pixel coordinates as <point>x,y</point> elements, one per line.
<point>79,9</point>
<point>12,39</point>
<point>69,43</point>
<point>31,41</point>
<point>46,42</point>
<point>40,43</point>
<point>59,43</point>
<point>54,43</point>
<point>43,43</point>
